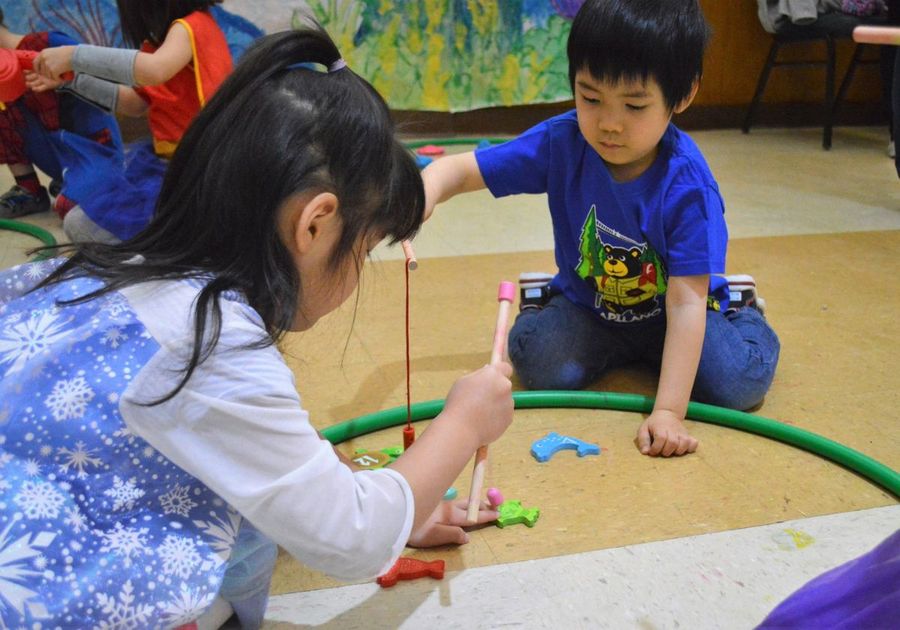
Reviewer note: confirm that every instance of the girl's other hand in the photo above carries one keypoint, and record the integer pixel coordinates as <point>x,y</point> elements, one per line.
<point>483,399</point>
<point>52,63</point>
<point>445,525</point>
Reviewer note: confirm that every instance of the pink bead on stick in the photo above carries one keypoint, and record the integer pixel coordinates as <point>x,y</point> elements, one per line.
<point>411,263</point>
<point>495,498</point>
<point>506,293</point>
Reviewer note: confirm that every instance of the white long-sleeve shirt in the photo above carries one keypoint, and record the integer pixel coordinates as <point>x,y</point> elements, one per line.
<point>239,426</point>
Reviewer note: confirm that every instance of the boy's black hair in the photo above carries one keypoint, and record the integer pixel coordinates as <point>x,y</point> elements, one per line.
<point>639,39</point>
<point>272,131</point>
<point>2,23</point>
<point>149,20</point>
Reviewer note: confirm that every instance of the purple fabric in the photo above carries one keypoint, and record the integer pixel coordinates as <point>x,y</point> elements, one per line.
<point>863,593</point>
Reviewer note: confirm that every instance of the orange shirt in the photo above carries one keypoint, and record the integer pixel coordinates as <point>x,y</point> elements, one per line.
<point>174,104</point>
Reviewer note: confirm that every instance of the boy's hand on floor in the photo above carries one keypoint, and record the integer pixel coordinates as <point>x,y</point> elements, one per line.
<point>663,434</point>
<point>444,526</point>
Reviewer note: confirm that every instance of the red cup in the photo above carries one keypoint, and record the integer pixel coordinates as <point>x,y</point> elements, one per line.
<point>12,80</point>
<point>13,64</point>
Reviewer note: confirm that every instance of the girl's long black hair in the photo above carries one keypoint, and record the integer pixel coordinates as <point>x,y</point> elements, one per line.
<point>272,130</point>
<point>149,20</point>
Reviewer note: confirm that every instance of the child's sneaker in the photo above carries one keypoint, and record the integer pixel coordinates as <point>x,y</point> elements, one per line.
<point>54,188</point>
<point>742,293</point>
<point>17,202</point>
<point>534,289</point>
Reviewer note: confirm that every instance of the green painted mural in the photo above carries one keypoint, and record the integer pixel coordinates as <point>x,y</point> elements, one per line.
<point>453,55</point>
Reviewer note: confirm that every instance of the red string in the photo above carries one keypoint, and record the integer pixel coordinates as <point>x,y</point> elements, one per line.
<point>408,398</point>
<point>409,433</point>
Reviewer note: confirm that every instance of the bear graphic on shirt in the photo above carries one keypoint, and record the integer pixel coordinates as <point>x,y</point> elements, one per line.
<point>627,282</point>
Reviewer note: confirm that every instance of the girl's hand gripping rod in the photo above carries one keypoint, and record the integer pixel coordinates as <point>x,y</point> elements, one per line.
<point>505,295</point>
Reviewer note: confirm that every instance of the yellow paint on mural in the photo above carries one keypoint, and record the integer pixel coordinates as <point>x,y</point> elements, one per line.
<point>538,82</point>
<point>434,11</point>
<point>434,81</point>
<point>484,16</point>
<point>509,79</point>
<point>387,55</point>
<point>461,33</point>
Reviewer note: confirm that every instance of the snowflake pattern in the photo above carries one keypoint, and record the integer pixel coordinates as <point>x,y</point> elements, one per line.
<point>123,493</point>
<point>75,519</point>
<point>123,612</point>
<point>114,337</point>
<point>86,501</point>
<point>186,607</point>
<point>22,341</point>
<point>35,272</point>
<point>78,459</point>
<point>179,556</point>
<point>115,305</point>
<point>177,501</point>
<point>38,499</point>
<point>15,554</point>
<point>124,541</point>
<point>69,398</point>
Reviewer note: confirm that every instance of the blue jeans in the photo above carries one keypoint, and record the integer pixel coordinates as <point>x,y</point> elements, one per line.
<point>246,582</point>
<point>564,346</point>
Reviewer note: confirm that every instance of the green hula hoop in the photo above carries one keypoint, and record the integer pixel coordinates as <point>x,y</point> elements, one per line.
<point>415,144</point>
<point>31,230</point>
<point>869,468</point>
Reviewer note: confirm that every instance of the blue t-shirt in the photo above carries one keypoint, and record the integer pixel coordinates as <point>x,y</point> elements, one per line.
<point>616,243</point>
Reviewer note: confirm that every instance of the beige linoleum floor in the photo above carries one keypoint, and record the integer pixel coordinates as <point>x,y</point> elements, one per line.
<point>820,231</point>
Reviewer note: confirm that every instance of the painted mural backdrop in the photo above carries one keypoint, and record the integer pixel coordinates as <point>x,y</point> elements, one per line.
<point>444,55</point>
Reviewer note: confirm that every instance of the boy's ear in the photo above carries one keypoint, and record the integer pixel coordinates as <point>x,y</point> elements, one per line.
<point>683,105</point>
<point>308,218</point>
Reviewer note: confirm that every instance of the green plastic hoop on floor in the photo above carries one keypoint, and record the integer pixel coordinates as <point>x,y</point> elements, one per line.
<point>31,230</point>
<point>869,468</point>
<point>415,144</point>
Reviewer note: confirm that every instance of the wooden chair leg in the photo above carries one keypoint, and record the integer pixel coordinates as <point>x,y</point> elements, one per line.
<point>761,85</point>
<point>848,78</point>
<point>829,93</point>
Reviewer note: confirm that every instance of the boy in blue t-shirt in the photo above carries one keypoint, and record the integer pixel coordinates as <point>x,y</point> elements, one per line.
<point>638,226</point>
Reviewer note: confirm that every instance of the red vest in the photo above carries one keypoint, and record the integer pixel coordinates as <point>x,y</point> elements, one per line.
<point>174,104</point>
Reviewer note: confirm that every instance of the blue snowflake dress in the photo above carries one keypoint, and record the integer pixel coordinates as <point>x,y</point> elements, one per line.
<point>97,528</point>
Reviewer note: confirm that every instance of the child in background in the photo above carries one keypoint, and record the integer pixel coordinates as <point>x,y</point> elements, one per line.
<point>638,226</point>
<point>182,60</point>
<point>58,133</point>
<point>153,441</point>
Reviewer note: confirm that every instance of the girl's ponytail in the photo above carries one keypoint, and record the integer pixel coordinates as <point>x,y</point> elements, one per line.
<point>284,51</point>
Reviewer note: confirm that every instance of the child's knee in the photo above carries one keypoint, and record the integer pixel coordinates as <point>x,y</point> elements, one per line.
<point>739,388</point>
<point>541,359</point>
<point>80,228</point>
<point>739,399</point>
